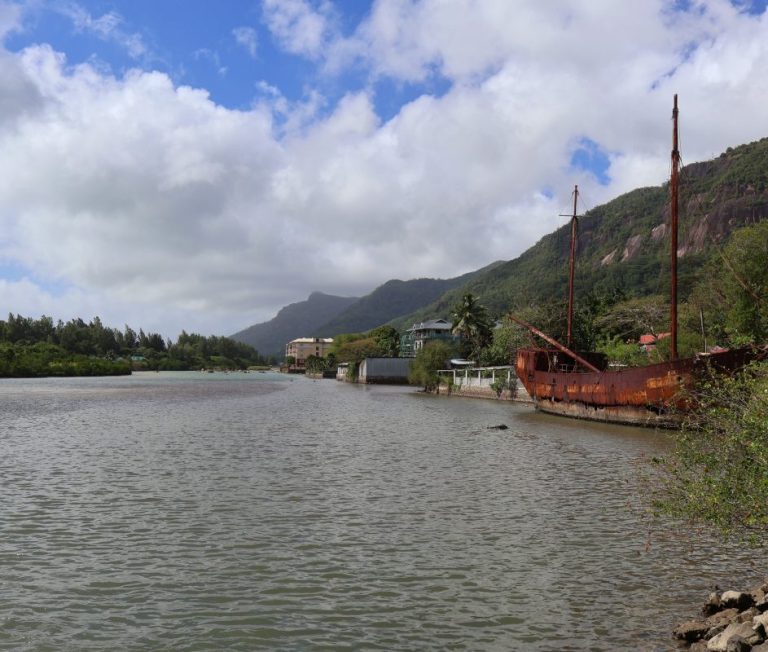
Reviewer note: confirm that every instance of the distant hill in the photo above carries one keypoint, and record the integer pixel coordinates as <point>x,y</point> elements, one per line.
<point>623,245</point>
<point>392,300</point>
<point>300,319</point>
<point>323,315</point>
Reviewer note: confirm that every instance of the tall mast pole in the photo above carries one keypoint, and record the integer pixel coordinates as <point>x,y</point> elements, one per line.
<point>673,185</point>
<point>572,266</point>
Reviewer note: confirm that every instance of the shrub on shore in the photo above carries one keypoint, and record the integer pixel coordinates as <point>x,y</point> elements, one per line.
<point>718,470</point>
<point>428,361</point>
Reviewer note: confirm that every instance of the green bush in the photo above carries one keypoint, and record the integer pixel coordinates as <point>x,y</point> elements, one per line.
<point>499,386</point>
<point>718,470</point>
<point>623,353</point>
<point>429,360</point>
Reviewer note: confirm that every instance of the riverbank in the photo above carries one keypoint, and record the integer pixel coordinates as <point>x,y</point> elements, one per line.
<point>497,383</point>
<point>514,392</point>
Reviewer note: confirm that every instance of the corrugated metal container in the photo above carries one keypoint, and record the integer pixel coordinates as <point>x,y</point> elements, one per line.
<point>384,370</point>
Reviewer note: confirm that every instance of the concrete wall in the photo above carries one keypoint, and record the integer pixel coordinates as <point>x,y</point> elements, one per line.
<point>517,393</point>
<point>478,383</point>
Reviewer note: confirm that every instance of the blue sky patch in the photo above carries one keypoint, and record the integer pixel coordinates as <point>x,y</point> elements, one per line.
<point>753,7</point>
<point>229,52</point>
<point>547,192</point>
<point>186,40</point>
<point>590,157</point>
<point>391,96</point>
<point>14,272</point>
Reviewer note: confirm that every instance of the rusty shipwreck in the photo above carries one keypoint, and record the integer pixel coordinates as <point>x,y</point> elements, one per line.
<point>580,385</point>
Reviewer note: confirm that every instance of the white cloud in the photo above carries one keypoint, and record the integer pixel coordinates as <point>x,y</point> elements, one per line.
<point>247,38</point>
<point>299,27</point>
<point>10,18</point>
<point>164,210</point>
<point>107,27</point>
<point>293,116</point>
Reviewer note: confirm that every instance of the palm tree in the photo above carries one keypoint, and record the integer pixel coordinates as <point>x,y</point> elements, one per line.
<point>471,322</point>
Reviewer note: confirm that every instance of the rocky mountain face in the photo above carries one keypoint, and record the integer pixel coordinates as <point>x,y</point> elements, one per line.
<point>624,244</point>
<point>718,197</point>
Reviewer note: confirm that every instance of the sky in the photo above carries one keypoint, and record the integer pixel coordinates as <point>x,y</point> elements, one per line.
<point>197,165</point>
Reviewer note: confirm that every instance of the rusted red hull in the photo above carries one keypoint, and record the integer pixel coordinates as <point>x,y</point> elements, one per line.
<point>648,396</point>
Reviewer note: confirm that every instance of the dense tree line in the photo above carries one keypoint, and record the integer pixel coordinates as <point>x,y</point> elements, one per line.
<point>381,342</point>
<point>40,347</point>
<point>23,359</point>
<point>194,351</point>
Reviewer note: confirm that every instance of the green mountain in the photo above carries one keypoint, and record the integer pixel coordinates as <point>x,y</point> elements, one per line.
<point>623,245</point>
<point>301,319</point>
<point>392,300</point>
<point>324,315</point>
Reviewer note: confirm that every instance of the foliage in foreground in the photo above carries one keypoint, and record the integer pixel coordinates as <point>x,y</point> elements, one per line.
<point>718,470</point>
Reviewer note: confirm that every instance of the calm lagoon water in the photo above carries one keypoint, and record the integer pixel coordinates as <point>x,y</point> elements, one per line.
<point>188,511</point>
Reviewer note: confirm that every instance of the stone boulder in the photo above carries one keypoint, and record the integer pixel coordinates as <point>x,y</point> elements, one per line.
<point>760,596</point>
<point>723,618</point>
<point>760,624</point>
<point>713,604</point>
<point>691,631</point>
<point>738,599</point>
<point>739,636</point>
<point>747,615</point>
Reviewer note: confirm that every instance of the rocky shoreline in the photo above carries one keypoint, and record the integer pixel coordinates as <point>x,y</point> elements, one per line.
<point>730,621</point>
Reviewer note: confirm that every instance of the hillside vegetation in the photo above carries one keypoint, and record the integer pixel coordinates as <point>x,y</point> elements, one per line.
<point>623,246</point>
<point>323,315</point>
<point>394,299</point>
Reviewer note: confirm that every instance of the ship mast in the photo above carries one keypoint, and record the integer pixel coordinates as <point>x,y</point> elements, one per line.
<point>673,186</point>
<point>572,265</point>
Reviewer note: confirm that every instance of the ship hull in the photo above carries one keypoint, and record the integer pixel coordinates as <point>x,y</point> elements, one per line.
<point>654,395</point>
<point>623,414</point>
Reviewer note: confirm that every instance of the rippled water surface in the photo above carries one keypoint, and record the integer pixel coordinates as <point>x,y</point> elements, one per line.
<point>244,512</point>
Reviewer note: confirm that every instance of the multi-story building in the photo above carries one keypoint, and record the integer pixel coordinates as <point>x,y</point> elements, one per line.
<point>303,347</point>
<point>414,339</point>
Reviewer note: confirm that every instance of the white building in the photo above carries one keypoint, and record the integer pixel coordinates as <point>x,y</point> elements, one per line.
<point>303,347</point>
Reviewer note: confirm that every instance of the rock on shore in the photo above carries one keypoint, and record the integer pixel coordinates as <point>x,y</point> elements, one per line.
<point>731,621</point>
